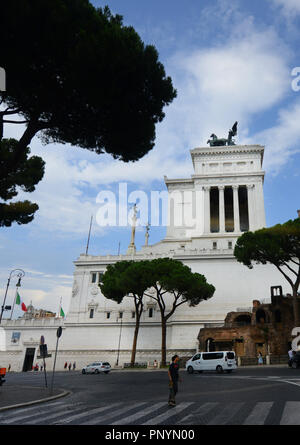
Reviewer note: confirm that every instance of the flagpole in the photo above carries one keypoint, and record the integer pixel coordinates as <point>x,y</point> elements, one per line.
<point>88,241</point>
<point>59,308</point>
<point>14,303</point>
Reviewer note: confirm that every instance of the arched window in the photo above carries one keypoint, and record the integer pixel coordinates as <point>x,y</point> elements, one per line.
<point>243,319</point>
<point>260,316</point>
<point>209,345</point>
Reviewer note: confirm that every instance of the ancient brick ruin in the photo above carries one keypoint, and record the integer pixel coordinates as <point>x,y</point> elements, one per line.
<point>266,329</point>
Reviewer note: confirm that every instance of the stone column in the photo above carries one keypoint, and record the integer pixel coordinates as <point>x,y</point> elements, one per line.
<point>221,209</point>
<point>251,209</point>
<point>259,197</point>
<point>206,189</point>
<point>236,212</point>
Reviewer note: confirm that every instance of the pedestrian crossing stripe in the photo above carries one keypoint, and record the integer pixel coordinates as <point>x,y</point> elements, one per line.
<point>159,413</point>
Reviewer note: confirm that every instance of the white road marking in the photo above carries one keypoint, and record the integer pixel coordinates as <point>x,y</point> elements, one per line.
<point>48,417</point>
<point>127,407</point>
<point>172,411</point>
<point>87,413</point>
<point>38,412</point>
<point>291,414</point>
<point>21,410</point>
<point>192,418</point>
<point>139,414</point>
<point>226,414</point>
<point>259,413</point>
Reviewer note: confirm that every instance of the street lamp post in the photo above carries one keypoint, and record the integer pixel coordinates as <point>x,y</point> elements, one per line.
<point>16,272</point>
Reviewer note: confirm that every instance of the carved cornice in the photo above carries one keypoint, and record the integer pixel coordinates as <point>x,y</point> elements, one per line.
<point>208,151</point>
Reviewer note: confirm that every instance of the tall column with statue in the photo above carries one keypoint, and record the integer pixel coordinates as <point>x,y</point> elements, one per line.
<point>132,248</point>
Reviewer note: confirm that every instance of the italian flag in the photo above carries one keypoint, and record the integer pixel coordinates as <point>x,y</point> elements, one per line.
<point>20,302</point>
<point>62,314</point>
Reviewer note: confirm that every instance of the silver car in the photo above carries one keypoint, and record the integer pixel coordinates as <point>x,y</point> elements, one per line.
<point>96,368</point>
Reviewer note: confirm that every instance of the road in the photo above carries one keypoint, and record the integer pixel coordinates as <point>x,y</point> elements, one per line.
<point>248,396</point>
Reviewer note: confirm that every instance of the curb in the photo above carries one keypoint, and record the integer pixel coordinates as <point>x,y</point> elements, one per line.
<point>35,402</point>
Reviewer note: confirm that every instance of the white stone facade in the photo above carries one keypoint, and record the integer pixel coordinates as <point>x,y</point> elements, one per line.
<point>223,198</point>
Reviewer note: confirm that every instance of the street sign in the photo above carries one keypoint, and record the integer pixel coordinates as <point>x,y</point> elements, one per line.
<point>43,355</point>
<point>58,334</point>
<point>43,350</point>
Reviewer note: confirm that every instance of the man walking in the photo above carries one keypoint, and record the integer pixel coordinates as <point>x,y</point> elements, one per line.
<point>173,380</point>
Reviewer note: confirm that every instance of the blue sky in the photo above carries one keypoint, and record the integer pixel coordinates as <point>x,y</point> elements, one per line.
<point>229,60</point>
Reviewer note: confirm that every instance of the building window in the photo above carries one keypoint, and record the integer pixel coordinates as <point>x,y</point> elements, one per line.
<point>150,312</point>
<point>120,314</point>
<point>96,277</point>
<point>100,275</point>
<point>132,314</point>
<point>229,244</point>
<point>107,314</point>
<point>92,313</point>
<point>15,337</point>
<point>214,245</point>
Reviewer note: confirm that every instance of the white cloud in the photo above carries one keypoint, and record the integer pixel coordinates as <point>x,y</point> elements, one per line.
<point>240,77</point>
<point>43,291</point>
<point>230,82</point>
<point>289,7</point>
<point>282,140</point>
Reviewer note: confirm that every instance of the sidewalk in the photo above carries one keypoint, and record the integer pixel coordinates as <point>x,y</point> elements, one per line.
<point>16,396</point>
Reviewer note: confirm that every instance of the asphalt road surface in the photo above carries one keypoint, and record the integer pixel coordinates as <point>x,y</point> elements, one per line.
<point>247,396</point>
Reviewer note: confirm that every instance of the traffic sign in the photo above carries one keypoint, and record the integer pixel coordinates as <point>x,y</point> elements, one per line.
<point>59,332</point>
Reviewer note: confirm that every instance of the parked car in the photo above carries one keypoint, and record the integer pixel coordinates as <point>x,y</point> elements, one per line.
<point>295,360</point>
<point>211,361</point>
<point>96,368</point>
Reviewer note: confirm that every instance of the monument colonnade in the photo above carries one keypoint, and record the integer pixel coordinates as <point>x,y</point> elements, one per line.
<point>229,208</point>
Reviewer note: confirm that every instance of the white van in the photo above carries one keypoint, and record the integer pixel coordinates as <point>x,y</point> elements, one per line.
<point>212,361</point>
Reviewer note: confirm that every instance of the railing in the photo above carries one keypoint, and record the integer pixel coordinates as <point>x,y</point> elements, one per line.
<point>136,365</point>
<point>274,360</point>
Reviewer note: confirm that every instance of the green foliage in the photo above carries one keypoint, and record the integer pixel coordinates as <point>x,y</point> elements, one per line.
<point>112,285</point>
<point>19,212</point>
<point>24,176</point>
<point>79,76</point>
<point>276,245</point>
<point>125,278</point>
<point>177,279</point>
<point>166,276</point>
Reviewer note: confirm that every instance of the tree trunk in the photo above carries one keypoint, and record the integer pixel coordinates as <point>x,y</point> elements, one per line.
<point>138,312</point>
<point>135,337</point>
<point>31,130</point>
<point>163,341</point>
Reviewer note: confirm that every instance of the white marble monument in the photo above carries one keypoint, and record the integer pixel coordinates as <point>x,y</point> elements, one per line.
<point>207,213</point>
